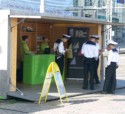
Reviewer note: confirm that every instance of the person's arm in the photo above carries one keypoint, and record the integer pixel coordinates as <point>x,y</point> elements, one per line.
<point>55,46</point>
<point>96,53</point>
<point>117,61</point>
<point>109,57</point>
<point>100,50</point>
<point>82,49</point>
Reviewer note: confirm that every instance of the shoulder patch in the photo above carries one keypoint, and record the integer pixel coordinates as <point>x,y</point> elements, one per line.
<point>58,41</point>
<point>91,43</point>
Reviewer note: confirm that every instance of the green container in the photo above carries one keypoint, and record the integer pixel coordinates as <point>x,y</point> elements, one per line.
<point>35,68</point>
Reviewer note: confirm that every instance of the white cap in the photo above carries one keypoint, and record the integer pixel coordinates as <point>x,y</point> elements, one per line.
<point>112,42</point>
<point>66,36</point>
<point>95,36</point>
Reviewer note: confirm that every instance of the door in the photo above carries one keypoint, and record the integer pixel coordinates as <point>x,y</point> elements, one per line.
<point>79,35</point>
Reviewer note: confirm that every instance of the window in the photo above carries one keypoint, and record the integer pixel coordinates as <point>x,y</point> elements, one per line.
<point>88,2</point>
<point>75,3</point>
<point>101,3</point>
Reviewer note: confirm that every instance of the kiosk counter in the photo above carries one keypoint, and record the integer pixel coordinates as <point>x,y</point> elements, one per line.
<point>35,67</point>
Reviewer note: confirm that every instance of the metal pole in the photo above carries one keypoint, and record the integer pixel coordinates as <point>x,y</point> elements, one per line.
<point>42,6</point>
<point>110,19</point>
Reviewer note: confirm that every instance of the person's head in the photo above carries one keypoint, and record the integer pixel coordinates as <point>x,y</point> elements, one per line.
<point>108,47</point>
<point>65,37</point>
<point>111,44</point>
<point>45,39</point>
<point>97,39</point>
<point>25,38</point>
<point>94,38</point>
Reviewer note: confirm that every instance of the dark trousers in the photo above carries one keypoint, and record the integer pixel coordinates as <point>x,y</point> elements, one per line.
<point>60,62</point>
<point>20,73</point>
<point>89,64</point>
<point>96,71</point>
<point>110,78</point>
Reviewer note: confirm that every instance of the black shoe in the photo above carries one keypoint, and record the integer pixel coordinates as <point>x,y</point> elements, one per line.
<point>111,92</point>
<point>97,82</point>
<point>92,88</point>
<point>85,88</point>
<point>104,92</point>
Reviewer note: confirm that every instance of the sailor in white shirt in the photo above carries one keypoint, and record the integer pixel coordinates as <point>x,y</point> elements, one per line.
<point>112,64</point>
<point>60,51</point>
<point>91,53</point>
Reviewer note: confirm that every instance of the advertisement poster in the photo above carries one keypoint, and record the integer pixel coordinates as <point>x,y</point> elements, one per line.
<point>79,35</point>
<point>60,84</point>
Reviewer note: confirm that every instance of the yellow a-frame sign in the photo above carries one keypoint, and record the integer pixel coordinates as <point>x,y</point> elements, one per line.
<point>53,70</point>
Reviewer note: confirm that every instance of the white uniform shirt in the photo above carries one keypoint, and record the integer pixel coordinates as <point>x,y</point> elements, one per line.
<point>113,56</point>
<point>90,50</point>
<point>55,46</point>
<point>61,48</point>
<point>105,55</point>
<point>98,47</point>
<point>97,44</point>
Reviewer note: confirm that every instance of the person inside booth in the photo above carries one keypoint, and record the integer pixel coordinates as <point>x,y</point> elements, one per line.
<point>24,45</point>
<point>44,47</point>
<point>24,49</point>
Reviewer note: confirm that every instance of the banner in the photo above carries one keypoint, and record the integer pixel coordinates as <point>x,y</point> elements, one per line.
<point>53,70</point>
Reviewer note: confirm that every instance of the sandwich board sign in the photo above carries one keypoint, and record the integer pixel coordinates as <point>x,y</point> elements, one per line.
<point>53,71</point>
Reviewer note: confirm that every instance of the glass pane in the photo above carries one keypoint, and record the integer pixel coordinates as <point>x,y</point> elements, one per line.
<point>98,10</point>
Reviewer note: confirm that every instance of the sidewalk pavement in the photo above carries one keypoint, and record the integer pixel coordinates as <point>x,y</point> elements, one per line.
<point>84,104</point>
<point>73,88</point>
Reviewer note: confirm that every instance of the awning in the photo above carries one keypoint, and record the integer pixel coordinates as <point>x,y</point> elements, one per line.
<point>67,19</point>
